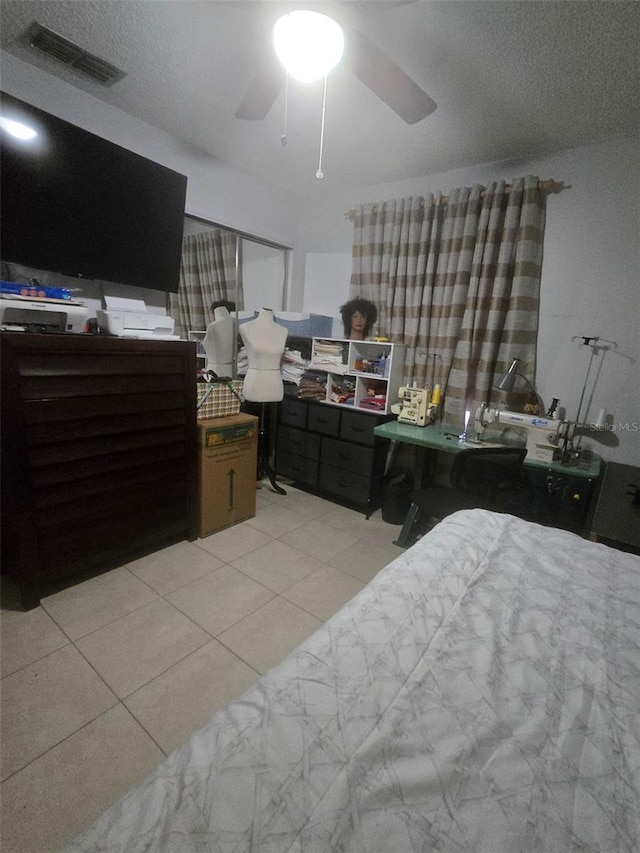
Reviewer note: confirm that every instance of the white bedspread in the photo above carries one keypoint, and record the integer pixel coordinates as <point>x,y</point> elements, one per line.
<point>482,694</point>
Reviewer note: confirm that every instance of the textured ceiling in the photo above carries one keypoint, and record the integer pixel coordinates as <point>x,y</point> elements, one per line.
<point>511,79</point>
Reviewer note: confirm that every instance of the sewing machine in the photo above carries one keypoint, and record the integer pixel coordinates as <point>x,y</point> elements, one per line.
<point>415,406</point>
<point>544,436</point>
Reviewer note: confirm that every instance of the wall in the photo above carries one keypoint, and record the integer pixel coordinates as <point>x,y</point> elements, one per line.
<point>590,278</point>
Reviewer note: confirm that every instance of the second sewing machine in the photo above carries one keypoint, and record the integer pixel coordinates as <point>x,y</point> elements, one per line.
<point>418,405</point>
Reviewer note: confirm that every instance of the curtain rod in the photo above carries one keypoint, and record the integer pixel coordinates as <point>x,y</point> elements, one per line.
<point>548,186</point>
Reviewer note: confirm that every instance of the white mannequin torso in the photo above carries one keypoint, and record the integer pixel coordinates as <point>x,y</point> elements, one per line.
<point>218,343</point>
<point>264,341</point>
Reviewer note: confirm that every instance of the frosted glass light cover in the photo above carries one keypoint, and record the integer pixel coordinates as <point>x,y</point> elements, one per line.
<point>308,44</point>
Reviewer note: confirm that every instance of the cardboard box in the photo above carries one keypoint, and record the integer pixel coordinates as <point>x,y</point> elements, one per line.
<point>228,465</point>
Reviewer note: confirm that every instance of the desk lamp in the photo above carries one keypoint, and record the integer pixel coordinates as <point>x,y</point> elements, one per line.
<point>507,381</point>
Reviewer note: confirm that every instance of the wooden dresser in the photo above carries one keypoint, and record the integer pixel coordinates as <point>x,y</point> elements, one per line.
<point>99,454</point>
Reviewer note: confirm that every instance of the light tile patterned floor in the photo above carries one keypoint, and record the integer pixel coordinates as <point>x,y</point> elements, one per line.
<point>107,677</point>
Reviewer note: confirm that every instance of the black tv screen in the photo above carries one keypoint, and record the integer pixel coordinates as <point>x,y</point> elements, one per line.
<point>76,204</point>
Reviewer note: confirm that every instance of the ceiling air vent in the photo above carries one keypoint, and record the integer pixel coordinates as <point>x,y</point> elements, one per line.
<point>72,55</point>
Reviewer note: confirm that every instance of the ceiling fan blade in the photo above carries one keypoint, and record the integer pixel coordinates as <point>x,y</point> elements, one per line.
<point>387,80</point>
<point>261,94</point>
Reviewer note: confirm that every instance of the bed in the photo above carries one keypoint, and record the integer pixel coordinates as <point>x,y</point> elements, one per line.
<point>481,694</point>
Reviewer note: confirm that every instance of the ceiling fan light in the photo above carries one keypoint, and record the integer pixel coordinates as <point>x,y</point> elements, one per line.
<point>308,44</point>
<point>17,129</point>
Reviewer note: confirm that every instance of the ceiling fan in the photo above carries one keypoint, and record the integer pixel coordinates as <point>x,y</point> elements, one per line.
<point>366,61</point>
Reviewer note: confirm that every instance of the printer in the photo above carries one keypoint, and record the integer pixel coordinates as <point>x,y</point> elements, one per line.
<point>129,318</point>
<point>27,314</point>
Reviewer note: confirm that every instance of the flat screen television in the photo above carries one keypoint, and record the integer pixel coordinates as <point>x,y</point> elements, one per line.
<point>76,204</point>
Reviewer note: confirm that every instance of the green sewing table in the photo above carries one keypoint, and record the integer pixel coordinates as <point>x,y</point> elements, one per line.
<point>560,493</point>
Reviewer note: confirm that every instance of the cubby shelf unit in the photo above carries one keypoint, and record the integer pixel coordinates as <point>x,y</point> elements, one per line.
<point>375,370</point>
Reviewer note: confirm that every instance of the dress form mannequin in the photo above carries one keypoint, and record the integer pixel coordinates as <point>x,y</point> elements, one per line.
<point>218,343</point>
<point>264,341</point>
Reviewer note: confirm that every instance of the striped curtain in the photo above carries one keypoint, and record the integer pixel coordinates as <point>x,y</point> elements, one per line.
<point>457,282</point>
<point>207,274</point>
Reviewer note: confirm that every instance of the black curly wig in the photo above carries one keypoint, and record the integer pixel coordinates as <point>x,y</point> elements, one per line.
<point>364,307</point>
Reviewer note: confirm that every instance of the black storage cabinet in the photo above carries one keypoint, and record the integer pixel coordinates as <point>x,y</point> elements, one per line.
<point>332,451</point>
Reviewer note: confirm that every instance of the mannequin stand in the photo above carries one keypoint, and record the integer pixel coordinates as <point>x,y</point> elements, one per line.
<point>267,447</point>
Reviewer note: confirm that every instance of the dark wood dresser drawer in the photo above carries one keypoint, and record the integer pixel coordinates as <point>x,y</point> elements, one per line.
<point>324,419</point>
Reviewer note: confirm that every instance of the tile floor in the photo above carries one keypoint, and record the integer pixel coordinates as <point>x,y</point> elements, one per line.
<point>107,677</point>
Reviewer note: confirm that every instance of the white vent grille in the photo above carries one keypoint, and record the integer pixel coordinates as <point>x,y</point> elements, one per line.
<point>72,55</point>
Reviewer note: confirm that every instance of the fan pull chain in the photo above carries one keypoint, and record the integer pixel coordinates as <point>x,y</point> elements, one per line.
<point>283,138</point>
<point>320,173</point>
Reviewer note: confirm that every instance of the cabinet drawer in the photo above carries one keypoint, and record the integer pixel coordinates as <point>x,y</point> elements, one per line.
<point>356,426</point>
<point>293,412</point>
<point>298,441</point>
<point>347,455</point>
<point>324,419</point>
<point>297,467</point>
<point>353,487</point>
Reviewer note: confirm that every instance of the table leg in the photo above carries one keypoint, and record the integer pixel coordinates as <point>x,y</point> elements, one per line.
<point>404,539</point>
